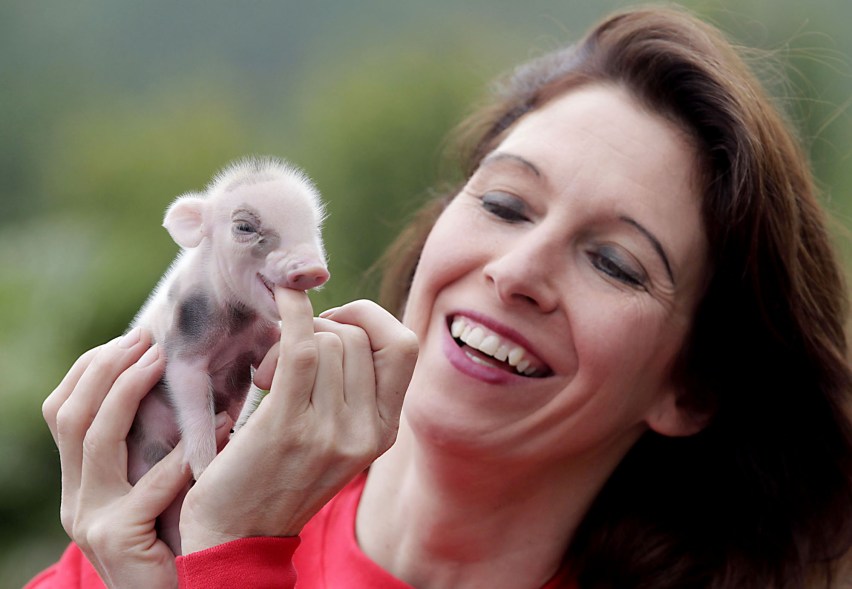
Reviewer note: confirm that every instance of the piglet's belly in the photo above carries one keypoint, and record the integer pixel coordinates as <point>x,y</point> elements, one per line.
<point>231,384</point>
<point>156,431</point>
<point>154,434</point>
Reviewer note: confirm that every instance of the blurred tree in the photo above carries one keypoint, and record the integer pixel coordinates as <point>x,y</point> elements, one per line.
<point>382,119</point>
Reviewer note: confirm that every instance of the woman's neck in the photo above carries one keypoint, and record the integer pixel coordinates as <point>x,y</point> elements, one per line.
<point>435,520</point>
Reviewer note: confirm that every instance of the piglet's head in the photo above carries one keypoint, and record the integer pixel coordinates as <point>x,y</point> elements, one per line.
<point>258,225</point>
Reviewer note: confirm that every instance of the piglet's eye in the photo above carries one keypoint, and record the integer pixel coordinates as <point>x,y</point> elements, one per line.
<point>244,230</point>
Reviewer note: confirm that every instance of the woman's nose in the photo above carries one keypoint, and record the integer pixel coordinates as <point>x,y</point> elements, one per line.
<point>525,275</point>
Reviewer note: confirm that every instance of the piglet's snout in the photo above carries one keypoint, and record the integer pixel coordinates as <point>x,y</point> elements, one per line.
<point>299,269</point>
<point>306,276</point>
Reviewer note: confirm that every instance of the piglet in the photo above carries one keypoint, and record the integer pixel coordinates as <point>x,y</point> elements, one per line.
<point>256,225</point>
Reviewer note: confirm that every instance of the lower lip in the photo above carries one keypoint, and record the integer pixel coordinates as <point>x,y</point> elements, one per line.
<point>466,365</point>
<point>266,288</point>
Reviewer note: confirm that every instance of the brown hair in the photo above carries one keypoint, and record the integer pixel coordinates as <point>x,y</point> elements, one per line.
<point>763,495</point>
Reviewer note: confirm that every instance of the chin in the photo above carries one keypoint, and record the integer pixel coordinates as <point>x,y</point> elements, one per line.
<point>441,418</point>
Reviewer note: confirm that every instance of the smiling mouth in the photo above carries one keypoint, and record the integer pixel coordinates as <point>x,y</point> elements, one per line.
<point>486,347</point>
<point>267,284</point>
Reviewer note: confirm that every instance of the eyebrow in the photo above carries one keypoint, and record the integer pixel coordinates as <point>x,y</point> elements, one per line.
<point>246,210</point>
<point>498,156</point>
<point>654,242</point>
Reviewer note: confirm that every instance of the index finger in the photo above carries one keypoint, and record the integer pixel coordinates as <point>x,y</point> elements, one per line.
<point>298,355</point>
<point>293,311</point>
<point>297,316</point>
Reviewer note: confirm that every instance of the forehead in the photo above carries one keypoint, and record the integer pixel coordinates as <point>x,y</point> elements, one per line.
<point>607,126</point>
<point>597,146</point>
<point>273,200</point>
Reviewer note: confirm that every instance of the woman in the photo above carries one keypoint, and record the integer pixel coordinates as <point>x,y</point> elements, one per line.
<point>632,366</point>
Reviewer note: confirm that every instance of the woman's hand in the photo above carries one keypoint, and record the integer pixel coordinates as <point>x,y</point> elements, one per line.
<point>89,415</point>
<point>336,390</point>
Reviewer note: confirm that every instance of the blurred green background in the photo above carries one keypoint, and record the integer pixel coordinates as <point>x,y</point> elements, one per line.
<point>110,109</point>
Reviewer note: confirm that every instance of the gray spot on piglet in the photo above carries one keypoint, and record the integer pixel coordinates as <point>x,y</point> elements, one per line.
<point>192,316</point>
<point>238,317</point>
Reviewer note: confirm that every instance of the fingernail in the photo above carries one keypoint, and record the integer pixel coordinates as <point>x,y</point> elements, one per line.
<point>328,312</point>
<point>221,419</point>
<point>151,356</point>
<point>131,338</point>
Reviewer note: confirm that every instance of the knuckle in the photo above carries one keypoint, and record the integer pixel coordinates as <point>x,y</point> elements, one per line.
<point>364,453</point>
<point>99,534</point>
<point>69,422</point>
<point>50,408</point>
<point>358,337</point>
<point>329,341</point>
<point>360,447</point>
<point>67,518</point>
<point>409,345</point>
<point>305,356</point>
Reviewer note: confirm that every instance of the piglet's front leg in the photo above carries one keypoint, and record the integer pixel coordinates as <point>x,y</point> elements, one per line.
<point>191,394</point>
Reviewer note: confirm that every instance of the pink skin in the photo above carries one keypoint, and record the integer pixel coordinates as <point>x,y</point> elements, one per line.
<point>538,281</point>
<point>214,311</point>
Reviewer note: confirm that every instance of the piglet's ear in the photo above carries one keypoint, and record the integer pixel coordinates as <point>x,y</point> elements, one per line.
<point>185,220</point>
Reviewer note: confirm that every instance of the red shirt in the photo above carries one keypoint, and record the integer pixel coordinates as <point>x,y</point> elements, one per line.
<point>329,558</point>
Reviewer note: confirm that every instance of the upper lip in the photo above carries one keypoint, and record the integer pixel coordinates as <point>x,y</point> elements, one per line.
<point>504,332</point>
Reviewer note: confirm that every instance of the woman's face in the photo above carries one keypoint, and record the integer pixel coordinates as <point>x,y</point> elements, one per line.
<point>556,290</point>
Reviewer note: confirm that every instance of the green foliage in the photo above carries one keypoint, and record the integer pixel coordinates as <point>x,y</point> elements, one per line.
<point>383,120</point>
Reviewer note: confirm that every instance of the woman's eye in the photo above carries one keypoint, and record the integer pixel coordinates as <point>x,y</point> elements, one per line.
<point>505,206</point>
<point>613,265</point>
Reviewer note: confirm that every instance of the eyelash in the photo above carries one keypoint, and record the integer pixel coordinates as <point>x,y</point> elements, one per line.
<point>611,266</point>
<point>493,203</point>
<point>604,259</point>
<point>244,231</point>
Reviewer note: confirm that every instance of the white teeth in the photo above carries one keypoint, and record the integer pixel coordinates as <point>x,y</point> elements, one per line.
<point>516,355</point>
<point>475,337</point>
<point>488,343</point>
<point>502,353</point>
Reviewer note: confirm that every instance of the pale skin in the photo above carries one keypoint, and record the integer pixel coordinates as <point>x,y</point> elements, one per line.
<point>339,415</point>
<point>492,471</point>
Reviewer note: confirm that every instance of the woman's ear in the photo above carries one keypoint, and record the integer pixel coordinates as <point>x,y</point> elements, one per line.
<point>675,416</point>
<point>185,220</point>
